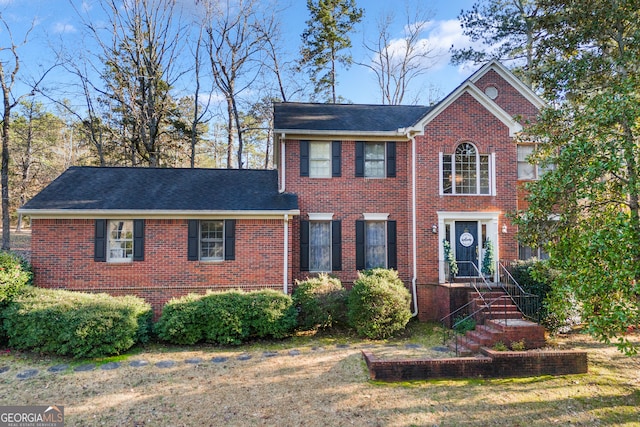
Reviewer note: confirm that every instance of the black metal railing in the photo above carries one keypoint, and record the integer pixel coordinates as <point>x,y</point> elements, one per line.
<point>528,303</point>
<point>487,309</point>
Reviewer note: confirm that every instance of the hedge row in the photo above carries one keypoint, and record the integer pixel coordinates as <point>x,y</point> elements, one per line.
<point>76,324</point>
<point>227,317</point>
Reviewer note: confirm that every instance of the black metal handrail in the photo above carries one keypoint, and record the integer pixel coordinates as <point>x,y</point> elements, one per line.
<point>528,303</point>
<point>486,309</point>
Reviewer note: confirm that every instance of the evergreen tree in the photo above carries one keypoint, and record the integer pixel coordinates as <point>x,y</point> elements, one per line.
<point>325,40</point>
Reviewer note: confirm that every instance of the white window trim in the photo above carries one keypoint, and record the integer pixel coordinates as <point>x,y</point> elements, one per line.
<point>320,216</point>
<point>224,235</point>
<point>492,174</point>
<point>375,216</point>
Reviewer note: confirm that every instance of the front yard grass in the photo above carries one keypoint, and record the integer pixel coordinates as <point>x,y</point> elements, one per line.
<point>319,380</point>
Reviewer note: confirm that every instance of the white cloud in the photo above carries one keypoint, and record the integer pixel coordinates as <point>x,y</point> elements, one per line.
<point>62,28</point>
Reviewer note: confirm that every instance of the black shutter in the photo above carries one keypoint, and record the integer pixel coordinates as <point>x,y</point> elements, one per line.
<point>304,245</point>
<point>392,246</point>
<point>336,158</point>
<point>138,239</point>
<point>230,239</point>
<point>360,264</point>
<point>391,159</point>
<point>193,239</point>
<point>336,245</point>
<point>359,158</point>
<point>304,158</point>
<point>100,241</point>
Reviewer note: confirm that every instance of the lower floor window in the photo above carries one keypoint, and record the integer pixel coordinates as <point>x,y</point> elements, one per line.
<point>212,240</point>
<point>375,244</point>
<point>120,240</point>
<point>320,246</point>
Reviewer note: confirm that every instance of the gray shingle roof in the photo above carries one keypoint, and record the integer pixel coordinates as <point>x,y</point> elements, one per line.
<point>151,189</point>
<point>346,117</point>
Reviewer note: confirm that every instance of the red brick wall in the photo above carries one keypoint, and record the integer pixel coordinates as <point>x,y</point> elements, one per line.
<point>62,257</point>
<point>348,197</point>
<point>509,98</point>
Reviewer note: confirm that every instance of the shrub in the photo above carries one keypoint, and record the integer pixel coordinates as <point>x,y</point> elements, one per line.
<point>15,274</point>
<point>226,318</point>
<point>464,324</point>
<point>378,304</point>
<point>180,321</point>
<point>76,324</point>
<point>321,302</point>
<point>271,314</point>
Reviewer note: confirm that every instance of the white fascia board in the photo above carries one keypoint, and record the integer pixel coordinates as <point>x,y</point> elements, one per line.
<point>504,72</point>
<point>484,100</point>
<point>465,215</point>
<point>153,214</point>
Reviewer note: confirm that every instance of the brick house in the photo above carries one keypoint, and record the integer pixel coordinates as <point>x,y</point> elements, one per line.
<point>355,186</point>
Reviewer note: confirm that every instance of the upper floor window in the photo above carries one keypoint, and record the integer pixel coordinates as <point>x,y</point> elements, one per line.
<point>320,159</point>
<point>466,171</point>
<point>375,159</point>
<point>528,170</point>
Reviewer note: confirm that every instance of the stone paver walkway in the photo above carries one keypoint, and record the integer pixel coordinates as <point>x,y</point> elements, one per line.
<point>27,373</point>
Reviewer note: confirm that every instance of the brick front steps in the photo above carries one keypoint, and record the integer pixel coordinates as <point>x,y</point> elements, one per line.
<point>506,331</point>
<point>492,364</point>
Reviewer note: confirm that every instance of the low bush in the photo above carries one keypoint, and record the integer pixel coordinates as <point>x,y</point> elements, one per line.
<point>231,317</point>
<point>15,276</point>
<point>321,302</point>
<point>76,324</point>
<point>378,304</point>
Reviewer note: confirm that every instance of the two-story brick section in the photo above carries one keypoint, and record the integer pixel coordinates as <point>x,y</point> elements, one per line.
<point>356,187</point>
<point>385,185</point>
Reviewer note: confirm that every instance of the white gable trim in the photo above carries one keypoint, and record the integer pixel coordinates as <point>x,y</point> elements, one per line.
<point>503,72</point>
<point>478,95</point>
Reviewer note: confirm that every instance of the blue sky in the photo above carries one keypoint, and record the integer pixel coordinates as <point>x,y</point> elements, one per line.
<point>58,25</point>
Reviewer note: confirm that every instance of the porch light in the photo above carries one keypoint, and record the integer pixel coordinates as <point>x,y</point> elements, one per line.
<point>434,228</point>
<point>504,228</point>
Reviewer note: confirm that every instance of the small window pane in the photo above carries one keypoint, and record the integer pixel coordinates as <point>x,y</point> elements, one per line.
<point>320,246</point>
<point>374,160</point>
<point>212,240</point>
<point>484,174</point>
<point>447,177</point>
<point>525,169</point>
<point>120,240</point>
<point>320,160</point>
<point>375,244</point>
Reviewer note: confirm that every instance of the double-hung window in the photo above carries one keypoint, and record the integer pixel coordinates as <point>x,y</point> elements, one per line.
<point>211,239</point>
<point>527,170</point>
<point>375,159</point>
<point>320,159</point>
<point>466,171</point>
<point>320,243</point>
<point>376,242</point>
<point>119,240</point>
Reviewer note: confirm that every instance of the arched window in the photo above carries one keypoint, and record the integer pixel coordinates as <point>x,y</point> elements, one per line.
<point>466,171</point>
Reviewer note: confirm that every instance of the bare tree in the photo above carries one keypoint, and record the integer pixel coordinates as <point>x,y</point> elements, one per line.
<point>235,51</point>
<point>141,68</point>
<point>398,62</point>
<point>9,68</point>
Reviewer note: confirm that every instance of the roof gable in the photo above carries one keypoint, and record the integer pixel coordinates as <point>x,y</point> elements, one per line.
<point>95,190</point>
